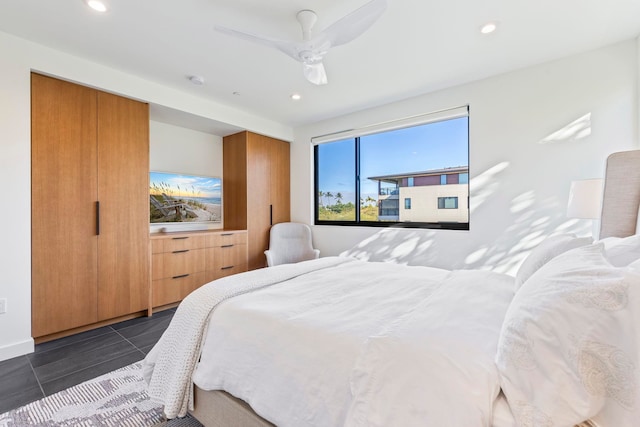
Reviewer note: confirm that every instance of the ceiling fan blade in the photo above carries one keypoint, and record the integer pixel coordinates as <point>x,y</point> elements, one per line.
<point>315,73</point>
<point>357,22</point>
<point>292,49</point>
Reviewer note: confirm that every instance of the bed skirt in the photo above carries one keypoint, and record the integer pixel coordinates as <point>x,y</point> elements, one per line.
<point>220,409</point>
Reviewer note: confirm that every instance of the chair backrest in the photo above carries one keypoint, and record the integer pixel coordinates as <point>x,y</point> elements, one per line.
<point>290,242</point>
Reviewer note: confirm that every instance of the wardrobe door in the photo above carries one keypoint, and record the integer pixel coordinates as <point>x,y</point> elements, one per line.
<point>123,191</point>
<point>259,209</point>
<point>280,181</point>
<point>63,205</point>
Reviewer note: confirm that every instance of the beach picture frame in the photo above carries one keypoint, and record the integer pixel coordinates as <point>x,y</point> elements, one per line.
<point>184,198</point>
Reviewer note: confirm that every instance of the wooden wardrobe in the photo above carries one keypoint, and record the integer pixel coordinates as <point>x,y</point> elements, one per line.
<point>256,188</point>
<point>90,209</point>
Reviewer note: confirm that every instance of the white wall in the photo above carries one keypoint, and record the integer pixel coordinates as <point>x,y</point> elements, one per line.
<point>17,59</point>
<point>526,145</point>
<point>180,150</point>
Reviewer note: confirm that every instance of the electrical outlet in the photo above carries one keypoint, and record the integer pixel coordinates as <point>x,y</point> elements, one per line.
<point>3,305</point>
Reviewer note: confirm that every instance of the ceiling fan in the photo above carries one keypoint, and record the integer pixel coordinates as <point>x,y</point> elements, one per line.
<point>312,49</point>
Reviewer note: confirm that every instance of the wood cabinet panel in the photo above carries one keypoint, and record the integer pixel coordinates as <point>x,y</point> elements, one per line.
<point>182,242</point>
<point>179,263</point>
<point>179,269</point>
<point>227,238</point>
<point>64,194</point>
<point>260,197</point>
<point>123,191</point>
<point>234,181</point>
<point>170,290</point>
<point>280,186</point>
<point>90,262</point>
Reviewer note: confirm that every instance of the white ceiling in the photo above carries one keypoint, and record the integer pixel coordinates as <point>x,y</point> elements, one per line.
<point>417,46</point>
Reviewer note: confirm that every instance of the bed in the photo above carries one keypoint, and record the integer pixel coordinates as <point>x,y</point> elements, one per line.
<point>341,342</point>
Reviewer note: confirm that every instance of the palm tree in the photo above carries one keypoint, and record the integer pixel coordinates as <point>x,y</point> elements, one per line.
<point>329,195</point>
<point>320,195</point>
<point>339,197</point>
<point>370,200</point>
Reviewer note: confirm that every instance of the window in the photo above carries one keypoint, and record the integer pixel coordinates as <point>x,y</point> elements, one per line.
<point>447,203</point>
<point>361,176</point>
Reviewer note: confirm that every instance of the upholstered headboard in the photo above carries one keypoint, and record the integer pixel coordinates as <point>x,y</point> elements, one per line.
<point>621,197</point>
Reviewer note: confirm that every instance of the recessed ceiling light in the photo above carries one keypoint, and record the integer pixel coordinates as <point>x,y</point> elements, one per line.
<point>488,28</point>
<point>196,80</point>
<point>296,96</point>
<point>97,5</point>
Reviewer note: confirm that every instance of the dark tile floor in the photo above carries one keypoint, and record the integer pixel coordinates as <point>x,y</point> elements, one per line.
<point>62,363</point>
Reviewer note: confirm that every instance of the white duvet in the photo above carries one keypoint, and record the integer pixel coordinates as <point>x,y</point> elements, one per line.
<point>363,344</point>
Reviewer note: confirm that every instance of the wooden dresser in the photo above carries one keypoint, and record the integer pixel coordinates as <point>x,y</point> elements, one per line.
<point>182,262</point>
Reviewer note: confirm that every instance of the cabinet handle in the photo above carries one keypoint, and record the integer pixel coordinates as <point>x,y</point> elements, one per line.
<point>97,218</point>
<point>226,246</point>
<point>228,267</point>
<point>180,238</point>
<point>226,234</point>
<point>270,214</point>
<point>180,252</point>
<point>180,276</point>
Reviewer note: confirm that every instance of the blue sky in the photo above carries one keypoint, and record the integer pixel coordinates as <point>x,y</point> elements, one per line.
<point>432,146</point>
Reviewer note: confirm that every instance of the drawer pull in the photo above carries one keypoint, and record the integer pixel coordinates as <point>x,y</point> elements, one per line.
<point>228,267</point>
<point>180,276</point>
<point>226,246</point>
<point>180,238</point>
<point>226,234</point>
<point>180,252</point>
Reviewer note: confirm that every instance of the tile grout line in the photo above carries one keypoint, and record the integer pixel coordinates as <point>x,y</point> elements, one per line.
<point>134,346</point>
<point>36,375</point>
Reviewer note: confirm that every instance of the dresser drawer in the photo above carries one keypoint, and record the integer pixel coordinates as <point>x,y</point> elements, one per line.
<point>212,275</point>
<point>180,262</point>
<point>170,290</point>
<point>227,238</point>
<point>179,243</point>
<point>226,256</point>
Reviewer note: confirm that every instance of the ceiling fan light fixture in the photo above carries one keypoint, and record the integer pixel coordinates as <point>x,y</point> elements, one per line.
<point>97,5</point>
<point>489,28</point>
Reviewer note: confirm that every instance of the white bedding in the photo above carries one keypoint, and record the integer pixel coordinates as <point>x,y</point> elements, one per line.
<point>363,344</point>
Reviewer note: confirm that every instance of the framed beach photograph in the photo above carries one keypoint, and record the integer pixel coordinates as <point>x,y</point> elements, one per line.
<point>177,198</point>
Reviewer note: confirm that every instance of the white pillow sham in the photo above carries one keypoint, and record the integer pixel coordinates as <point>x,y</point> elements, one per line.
<point>622,252</point>
<point>550,248</point>
<point>568,349</point>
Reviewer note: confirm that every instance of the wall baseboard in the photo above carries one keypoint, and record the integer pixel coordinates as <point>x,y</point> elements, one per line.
<point>17,349</point>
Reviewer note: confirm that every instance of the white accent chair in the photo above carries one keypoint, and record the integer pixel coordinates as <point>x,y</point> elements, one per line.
<point>290,242</point>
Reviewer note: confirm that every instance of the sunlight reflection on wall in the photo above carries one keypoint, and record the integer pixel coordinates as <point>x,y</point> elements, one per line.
<point>577,129</point>
<point>529,219</point>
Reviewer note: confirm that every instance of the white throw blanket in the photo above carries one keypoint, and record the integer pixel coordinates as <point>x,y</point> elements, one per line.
<point>169,366</point>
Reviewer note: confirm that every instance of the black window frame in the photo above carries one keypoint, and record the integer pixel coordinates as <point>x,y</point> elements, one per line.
<point>443,225</point>
<point>444,202</point>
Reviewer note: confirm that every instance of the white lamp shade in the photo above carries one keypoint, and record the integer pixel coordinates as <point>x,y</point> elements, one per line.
<point>585,199</point>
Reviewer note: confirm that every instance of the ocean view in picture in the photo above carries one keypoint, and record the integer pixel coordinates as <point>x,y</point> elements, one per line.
<point>184,198</point>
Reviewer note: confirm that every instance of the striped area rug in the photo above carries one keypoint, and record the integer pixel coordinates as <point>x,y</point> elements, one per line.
<point>118,398</point>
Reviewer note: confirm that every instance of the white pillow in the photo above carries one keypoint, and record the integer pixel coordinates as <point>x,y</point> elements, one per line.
<point>635,265</point>
<point>550,248</point>
<point>623,252</point>
<point>568,348</point>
